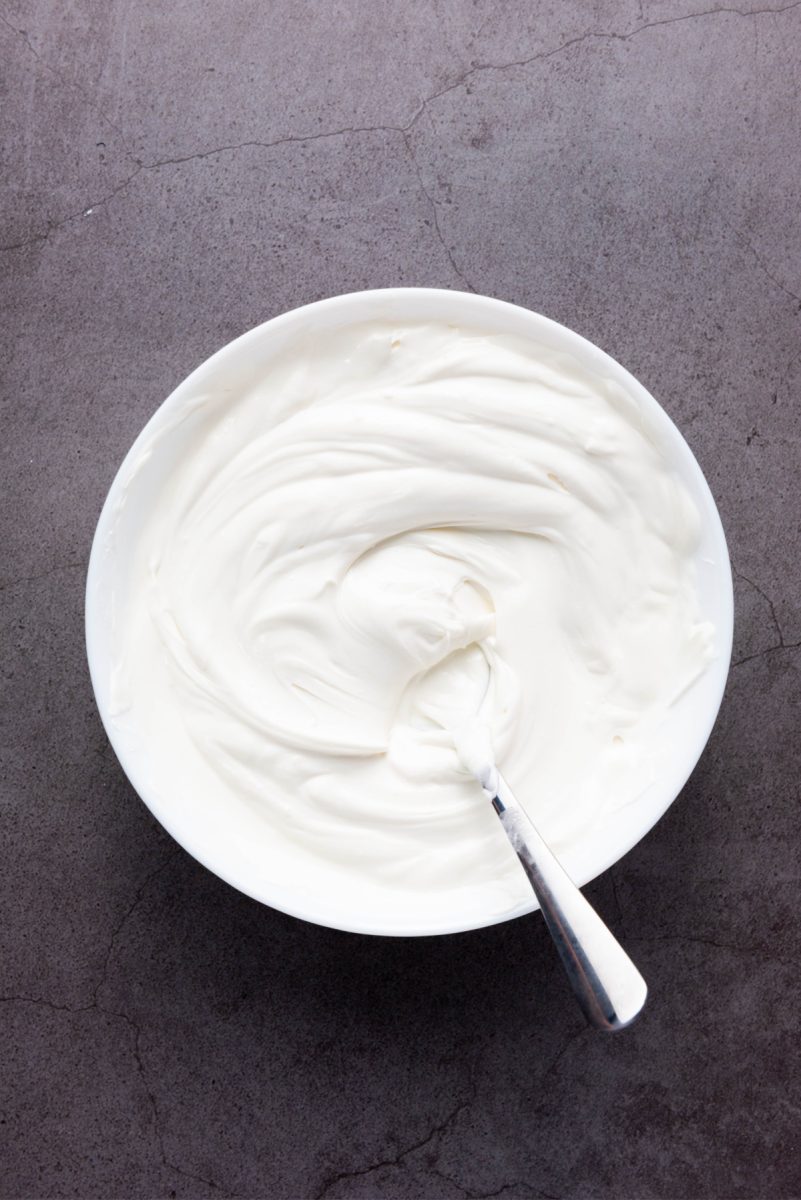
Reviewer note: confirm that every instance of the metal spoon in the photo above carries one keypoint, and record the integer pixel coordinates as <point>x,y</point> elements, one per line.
<point>609,988</point>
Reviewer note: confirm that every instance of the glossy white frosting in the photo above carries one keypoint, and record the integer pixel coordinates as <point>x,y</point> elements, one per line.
<point>398,530</point>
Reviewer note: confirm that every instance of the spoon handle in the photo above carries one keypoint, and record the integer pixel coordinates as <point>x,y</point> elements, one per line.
<point>609,988</point>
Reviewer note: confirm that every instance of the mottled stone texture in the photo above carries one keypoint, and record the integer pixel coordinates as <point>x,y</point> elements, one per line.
<point>174,174</point>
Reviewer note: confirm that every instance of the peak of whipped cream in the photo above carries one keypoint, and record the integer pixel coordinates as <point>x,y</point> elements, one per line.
<point>473,741</point>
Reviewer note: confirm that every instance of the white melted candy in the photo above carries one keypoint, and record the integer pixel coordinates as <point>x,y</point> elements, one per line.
<point>403,550</point>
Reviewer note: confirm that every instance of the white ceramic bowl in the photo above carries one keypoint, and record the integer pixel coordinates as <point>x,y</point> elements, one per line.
<point>221,849</point>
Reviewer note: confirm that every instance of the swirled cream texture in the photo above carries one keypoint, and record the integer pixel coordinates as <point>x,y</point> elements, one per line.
<point>397,530</point>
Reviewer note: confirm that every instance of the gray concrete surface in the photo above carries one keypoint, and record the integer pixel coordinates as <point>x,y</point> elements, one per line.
<point>174,174</point>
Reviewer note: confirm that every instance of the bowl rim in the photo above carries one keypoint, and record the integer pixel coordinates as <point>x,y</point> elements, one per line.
<point>710,517</point>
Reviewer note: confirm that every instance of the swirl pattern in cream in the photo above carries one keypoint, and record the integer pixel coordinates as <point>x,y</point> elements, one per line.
<point>397,524</point>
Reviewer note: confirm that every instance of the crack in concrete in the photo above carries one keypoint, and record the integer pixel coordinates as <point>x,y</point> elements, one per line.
<point>286,140</point>
<point>397,1159</point>
<point>117,930</point>
<point>298,139</point>
<point>611,35</point>
<point>292,140</point>
<point>518,1184</point>
<point>84,211</point>
<point>740,236</point>
<point>520,1187</point>
<point>73,83</point>
<point>781,644</point>
<point>11,583</point>
<point>403,130</point>
<point>761,952</point>
<point>536,1194</point>
<point>87,209</point>
<point>158,1133</point>
<point>767,600</point>
<point>97,1006</point>
<point>40,1000</point>
<point>435,214</point>
<point>784,382</point>
<point>768,650</point>
<point>551,1068</point>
